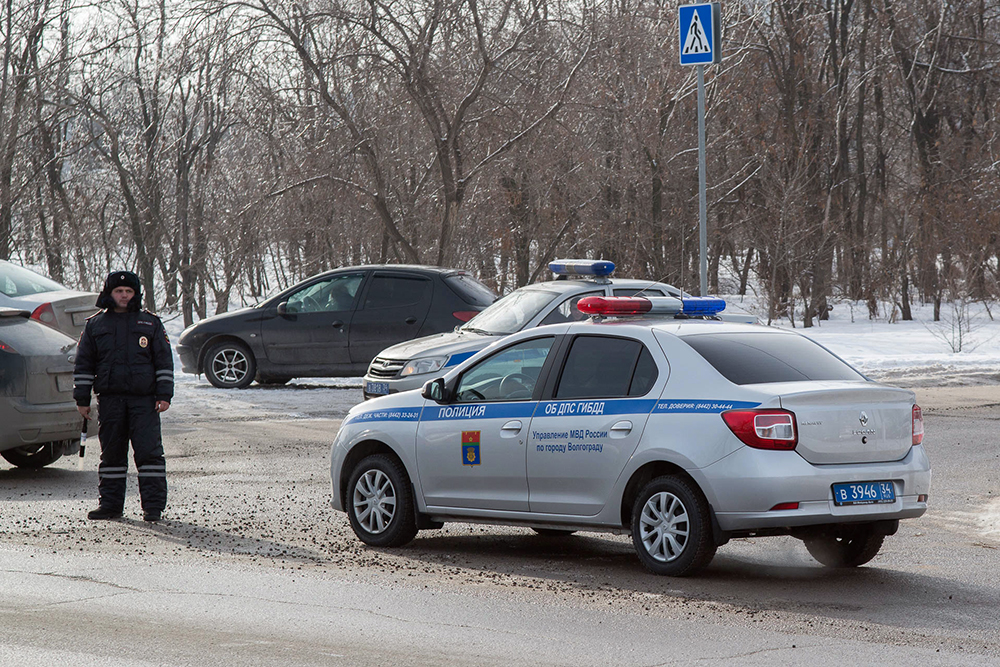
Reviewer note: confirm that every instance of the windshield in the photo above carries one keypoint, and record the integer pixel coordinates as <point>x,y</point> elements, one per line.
<point>18,281</point>
<point>510,313</point>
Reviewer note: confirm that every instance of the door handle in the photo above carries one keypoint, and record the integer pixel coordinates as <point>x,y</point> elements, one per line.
<point>410,320</point>
<point>338,324</point>
<point>511,428</point>
<point>621,429</point>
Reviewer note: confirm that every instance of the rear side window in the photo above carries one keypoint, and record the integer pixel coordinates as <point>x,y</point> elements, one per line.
<point>752,358</point>
<point>604,367</point>
<point>389,291</point>
<point>470,290</point>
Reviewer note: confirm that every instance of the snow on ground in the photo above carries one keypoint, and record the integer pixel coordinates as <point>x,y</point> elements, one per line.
<point>916,353</point>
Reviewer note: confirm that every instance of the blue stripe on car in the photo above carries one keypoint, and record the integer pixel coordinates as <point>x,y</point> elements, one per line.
<point>456,359</point>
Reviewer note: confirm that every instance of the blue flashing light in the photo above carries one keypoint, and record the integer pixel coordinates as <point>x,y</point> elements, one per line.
<point>582,267</point>
<point>703,305</point>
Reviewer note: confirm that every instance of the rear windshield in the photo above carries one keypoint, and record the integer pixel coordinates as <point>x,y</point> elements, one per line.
<point>471,290</point>
<point>752,358</point>
<point>18,281</point>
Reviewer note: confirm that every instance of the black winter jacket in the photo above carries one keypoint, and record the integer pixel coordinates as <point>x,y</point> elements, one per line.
<point>123,354</point>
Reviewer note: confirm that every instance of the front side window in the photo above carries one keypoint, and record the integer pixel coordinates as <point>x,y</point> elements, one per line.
<point>605,367</point>
<point>567,310</point>
<point>326,296</point>
<point>508,375</point>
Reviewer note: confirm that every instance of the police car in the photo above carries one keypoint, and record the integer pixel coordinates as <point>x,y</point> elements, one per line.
<point>650,419</point>
<point>411,363</point>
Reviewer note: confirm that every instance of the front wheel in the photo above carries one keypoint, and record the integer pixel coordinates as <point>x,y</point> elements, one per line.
<point>230,365</point>
<point>671,527</point>
<point>380,504</point>
<point>32,456</point>
<point>851,546</point>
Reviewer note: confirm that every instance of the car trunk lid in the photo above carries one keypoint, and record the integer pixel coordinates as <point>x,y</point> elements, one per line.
<point>850,423</point>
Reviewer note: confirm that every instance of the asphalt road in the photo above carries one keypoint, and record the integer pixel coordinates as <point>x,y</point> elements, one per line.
<point>252,567</point>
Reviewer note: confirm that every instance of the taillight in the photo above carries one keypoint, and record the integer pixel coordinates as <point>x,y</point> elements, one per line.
<point>763,429</point>
<point>44,313</point>
<point>918,425</point>
<point>4,347</point>
<point>464,315</point>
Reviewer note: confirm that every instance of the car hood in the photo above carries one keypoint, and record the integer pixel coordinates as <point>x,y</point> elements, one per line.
<point>222,321</point>
<point>453,343</point>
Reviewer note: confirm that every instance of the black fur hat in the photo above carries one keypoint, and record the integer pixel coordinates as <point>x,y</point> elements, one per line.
<point>120,279</point>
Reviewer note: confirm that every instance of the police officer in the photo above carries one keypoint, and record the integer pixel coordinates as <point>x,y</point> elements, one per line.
<point>124,357</point>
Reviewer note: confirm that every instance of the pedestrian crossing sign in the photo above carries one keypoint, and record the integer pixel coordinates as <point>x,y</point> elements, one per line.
<point>700,33</point>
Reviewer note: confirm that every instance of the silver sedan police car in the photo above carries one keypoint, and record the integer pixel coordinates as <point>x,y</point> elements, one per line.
<point>409,364</point>
<point>681,430</point>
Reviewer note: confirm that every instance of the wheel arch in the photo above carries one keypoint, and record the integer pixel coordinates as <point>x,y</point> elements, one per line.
<point>359,452</point>
<point>224,338</point>
<point>642,476</point>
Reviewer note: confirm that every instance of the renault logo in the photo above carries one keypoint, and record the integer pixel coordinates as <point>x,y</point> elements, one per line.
<point>864,418</point>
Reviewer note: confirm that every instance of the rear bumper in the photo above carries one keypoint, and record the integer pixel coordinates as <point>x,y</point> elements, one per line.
<point>744,486</point>
<point>27,423</point>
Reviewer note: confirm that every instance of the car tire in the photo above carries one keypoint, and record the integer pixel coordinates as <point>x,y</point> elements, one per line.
<point>230,365</point>
<point>671,527</point>
<point>553,532</point>
<point>32,456</point>
<point>850,547</point>
<point>380,502</point>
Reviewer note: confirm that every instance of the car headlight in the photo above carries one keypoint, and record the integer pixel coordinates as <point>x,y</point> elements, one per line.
<point>421,366</point>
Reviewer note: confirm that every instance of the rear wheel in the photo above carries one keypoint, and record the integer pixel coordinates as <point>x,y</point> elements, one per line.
<point>671,527</point>
<point>380,502</point>
<point>32,456</point>
<point>230,365</point>
<point>850,546</point>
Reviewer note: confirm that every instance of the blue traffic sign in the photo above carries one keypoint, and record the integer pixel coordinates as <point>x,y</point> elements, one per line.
<point>700,33</point>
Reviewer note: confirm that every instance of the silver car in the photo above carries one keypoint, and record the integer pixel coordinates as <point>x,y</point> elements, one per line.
<point>46,300</point>
<point>39,421</point>
<point>408,365</point>
<point>685,433</point>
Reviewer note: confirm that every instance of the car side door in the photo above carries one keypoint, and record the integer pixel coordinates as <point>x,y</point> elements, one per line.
<point>582,437</point>
<point>393,308</point>
<point>311,325</point>
<point>471,450</point>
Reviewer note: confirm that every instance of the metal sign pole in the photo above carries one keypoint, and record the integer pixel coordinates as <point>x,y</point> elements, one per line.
<point>702,197</point>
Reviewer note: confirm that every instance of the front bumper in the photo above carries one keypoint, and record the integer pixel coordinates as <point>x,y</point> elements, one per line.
<point>744,486</point>
<point>189,359</point>
<point>373,387</point>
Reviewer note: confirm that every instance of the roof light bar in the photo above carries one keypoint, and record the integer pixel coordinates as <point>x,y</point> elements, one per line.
<point>703,305</point>
<point>655,305</point>
<point>582,267</point>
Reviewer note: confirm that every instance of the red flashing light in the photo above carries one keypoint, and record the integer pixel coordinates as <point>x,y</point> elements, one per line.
<point>44,313</point>
<point>464,315</point>
<point>763,429</point>
<point>614,305</point>
<point>918,425</point>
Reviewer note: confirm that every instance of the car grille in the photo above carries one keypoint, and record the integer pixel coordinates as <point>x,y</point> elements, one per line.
<point>385,369</point>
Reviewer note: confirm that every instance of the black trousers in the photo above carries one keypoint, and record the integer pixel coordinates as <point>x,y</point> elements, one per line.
<point>131,418</point>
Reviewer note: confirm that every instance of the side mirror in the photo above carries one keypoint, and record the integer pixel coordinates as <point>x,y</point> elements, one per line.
<point>434,390</point>
<point>283,308</point>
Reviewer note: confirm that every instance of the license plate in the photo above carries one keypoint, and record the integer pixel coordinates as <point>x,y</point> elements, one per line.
<point>864,493</point>
<point>79,319</point>
<point>377,388</point>
<point>64,382</point>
